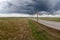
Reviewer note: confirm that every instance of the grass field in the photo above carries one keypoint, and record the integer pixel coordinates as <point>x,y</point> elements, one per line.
<point>51,19</point>
<point>25,29</point>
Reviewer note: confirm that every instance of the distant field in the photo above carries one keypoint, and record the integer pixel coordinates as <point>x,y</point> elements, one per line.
<point>25,29</point>
<point>51,19</point>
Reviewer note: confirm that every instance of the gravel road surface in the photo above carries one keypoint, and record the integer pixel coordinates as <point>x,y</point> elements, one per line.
<point>55,25</point>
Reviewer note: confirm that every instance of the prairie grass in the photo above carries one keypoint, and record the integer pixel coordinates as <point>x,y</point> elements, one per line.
<point>25,29</point>
<point>14,29</point>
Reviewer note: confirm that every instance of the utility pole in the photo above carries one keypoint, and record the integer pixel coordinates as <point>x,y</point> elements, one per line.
<point>37,16</point>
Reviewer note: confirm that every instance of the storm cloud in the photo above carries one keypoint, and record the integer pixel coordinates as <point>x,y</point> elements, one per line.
<point>28,6</point>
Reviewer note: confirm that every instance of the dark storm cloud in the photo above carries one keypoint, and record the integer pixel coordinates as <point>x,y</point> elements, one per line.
<point>28,6</point>
<point>25,6</point>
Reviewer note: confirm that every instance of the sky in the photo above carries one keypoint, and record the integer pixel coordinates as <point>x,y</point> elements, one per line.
<point>29,6</point>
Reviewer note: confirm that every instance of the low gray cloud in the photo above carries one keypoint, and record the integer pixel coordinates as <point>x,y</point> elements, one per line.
<point>17,6</point>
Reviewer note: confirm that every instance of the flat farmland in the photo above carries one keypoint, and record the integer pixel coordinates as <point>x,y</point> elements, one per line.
<point>26,29</point>
<point>51,19</point>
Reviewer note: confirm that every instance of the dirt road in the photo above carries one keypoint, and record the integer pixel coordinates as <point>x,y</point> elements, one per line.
<point>55,25</point>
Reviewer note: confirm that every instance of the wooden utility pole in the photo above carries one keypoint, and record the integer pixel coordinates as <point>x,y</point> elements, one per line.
<point>37,17</point>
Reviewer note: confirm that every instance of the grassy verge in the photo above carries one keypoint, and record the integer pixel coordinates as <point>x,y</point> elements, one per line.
<point>41,32</point>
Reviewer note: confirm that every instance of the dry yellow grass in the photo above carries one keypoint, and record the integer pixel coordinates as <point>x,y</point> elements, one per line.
<point>15,29</point>
<point>24,29</point>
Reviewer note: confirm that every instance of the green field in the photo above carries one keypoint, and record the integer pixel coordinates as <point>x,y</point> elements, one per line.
<point>50,19</point>
<point>25,29</point>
